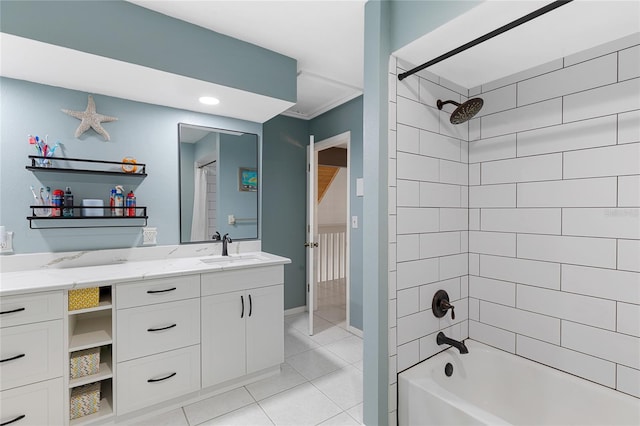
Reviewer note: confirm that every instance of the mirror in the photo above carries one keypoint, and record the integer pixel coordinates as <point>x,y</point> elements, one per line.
<point>218,183</point>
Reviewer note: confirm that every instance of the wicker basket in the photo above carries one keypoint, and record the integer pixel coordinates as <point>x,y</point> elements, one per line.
<point>85,400</point>
<point>84,363</point>
<point>83,298</point>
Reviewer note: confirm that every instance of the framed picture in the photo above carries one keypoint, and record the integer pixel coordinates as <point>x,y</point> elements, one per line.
<point>247,179</point>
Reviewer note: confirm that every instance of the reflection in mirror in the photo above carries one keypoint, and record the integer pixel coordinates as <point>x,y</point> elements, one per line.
<point>218,183</point>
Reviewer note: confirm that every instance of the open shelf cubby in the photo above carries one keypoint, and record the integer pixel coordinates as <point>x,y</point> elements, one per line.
<point>106,406</point>
<point>105,303</point>
<point>105,370</point>
<point>90,330</point>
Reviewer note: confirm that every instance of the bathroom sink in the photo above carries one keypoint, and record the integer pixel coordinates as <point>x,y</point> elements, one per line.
<point>234,259</point>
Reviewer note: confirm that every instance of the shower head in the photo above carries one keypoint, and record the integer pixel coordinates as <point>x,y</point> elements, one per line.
<point>464,112</point>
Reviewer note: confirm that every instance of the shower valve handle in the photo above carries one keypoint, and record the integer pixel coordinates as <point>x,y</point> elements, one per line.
<point>440,305</point>
<point>445,305</point>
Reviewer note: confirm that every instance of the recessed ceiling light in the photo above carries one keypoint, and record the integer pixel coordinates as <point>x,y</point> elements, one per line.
<point>208,100</point>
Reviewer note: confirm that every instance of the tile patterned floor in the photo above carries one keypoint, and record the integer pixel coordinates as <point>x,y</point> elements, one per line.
<point>320,382</point>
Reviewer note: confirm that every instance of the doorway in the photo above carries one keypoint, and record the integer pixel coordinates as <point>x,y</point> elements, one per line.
<point>329,295</point>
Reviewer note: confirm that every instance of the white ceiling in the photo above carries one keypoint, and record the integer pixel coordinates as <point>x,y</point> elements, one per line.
<point>22,59</point>
<point>571,28</point>
<point>326,37</point>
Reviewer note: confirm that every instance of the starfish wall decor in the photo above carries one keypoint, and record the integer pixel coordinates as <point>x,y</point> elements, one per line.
<point>90,118</point>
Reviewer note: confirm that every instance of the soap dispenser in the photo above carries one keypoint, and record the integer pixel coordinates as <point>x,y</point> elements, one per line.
<point>67,211</point>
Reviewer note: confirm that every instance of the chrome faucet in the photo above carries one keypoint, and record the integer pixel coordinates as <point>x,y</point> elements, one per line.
<point>225,240</point>
<point>441,339</point>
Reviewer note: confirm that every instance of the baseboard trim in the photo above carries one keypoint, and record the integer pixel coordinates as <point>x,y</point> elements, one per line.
<point>355,331</point>
<point>294,311</point>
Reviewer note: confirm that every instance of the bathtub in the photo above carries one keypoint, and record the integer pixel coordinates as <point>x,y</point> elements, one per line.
<point>492,387</point>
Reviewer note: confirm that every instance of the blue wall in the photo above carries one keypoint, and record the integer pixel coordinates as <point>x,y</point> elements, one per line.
<point>348,117</point>
<point>124,31</point>
<point>284,191</point>
<point>147,132</point>
<point>284,188</point>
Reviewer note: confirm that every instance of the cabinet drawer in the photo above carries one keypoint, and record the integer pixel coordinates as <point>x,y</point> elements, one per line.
<point>28,308</point>
<point>32,352</point>
<point>149,380</point>
<point>155,328</point>
<point>162,290</point>
<point>241,279</point>
<point>39,403</point>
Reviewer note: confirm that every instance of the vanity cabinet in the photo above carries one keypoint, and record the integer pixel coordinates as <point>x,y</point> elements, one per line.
<point>158,340</point>
<point>242,330</point>
<point>158,350</point>
<point>31,355</point>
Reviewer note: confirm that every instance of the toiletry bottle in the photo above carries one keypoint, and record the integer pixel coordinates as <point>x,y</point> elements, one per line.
<point>119,201</point>
<point>47,201</point>
<point>68,203</point>
<point>56,201</point>
<point>112,201</point>
<point>130,205</point>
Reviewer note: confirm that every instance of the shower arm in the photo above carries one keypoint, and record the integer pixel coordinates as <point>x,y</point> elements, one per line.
<point>440,103</point>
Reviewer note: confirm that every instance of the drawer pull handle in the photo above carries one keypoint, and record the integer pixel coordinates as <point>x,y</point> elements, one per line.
<point>250,305</point>
<point>162,378</point>
<point>10,312</point>
<point>11,359</point>
<point>162,328</point>
<point>160,291</point>
<point>242,300</point>
<point>20,417</point>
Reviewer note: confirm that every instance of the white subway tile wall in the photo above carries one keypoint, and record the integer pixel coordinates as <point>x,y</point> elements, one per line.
<point>571,152</point>
<point>546,263</point>
<point>430,213</point>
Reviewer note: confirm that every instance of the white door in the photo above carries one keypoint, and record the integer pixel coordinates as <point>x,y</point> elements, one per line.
<point>311,232</point>
<point>223,337</point>
<point>265,327</point>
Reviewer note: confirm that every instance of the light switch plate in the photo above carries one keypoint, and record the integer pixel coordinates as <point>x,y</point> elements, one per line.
<point>149,236</point>
<point>354,222</point>
<point>359,187</point>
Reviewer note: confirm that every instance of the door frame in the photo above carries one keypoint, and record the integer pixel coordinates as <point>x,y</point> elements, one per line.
<point>340,139</point>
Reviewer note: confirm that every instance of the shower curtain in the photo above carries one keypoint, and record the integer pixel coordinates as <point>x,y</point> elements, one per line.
<point>199,221</point>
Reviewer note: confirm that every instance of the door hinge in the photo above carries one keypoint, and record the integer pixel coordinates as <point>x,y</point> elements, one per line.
<point>308,288</point>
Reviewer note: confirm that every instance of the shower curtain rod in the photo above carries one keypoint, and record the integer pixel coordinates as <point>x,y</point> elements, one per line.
<point>205,165</point>
<point>487,36</point>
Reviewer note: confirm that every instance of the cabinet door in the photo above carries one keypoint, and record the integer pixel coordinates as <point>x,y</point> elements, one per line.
<point>223,337</point>
<point>38,404</point>
<point>30,353</point>
<point>265,328</point>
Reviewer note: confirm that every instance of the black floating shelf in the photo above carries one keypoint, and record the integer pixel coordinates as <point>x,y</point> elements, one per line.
<point>116,221</point>
<point>34,167</point>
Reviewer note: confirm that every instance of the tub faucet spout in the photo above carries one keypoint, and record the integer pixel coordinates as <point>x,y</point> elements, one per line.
<point>441,339</point>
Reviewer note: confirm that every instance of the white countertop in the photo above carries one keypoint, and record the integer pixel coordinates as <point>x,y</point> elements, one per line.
<point>31,281</point>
